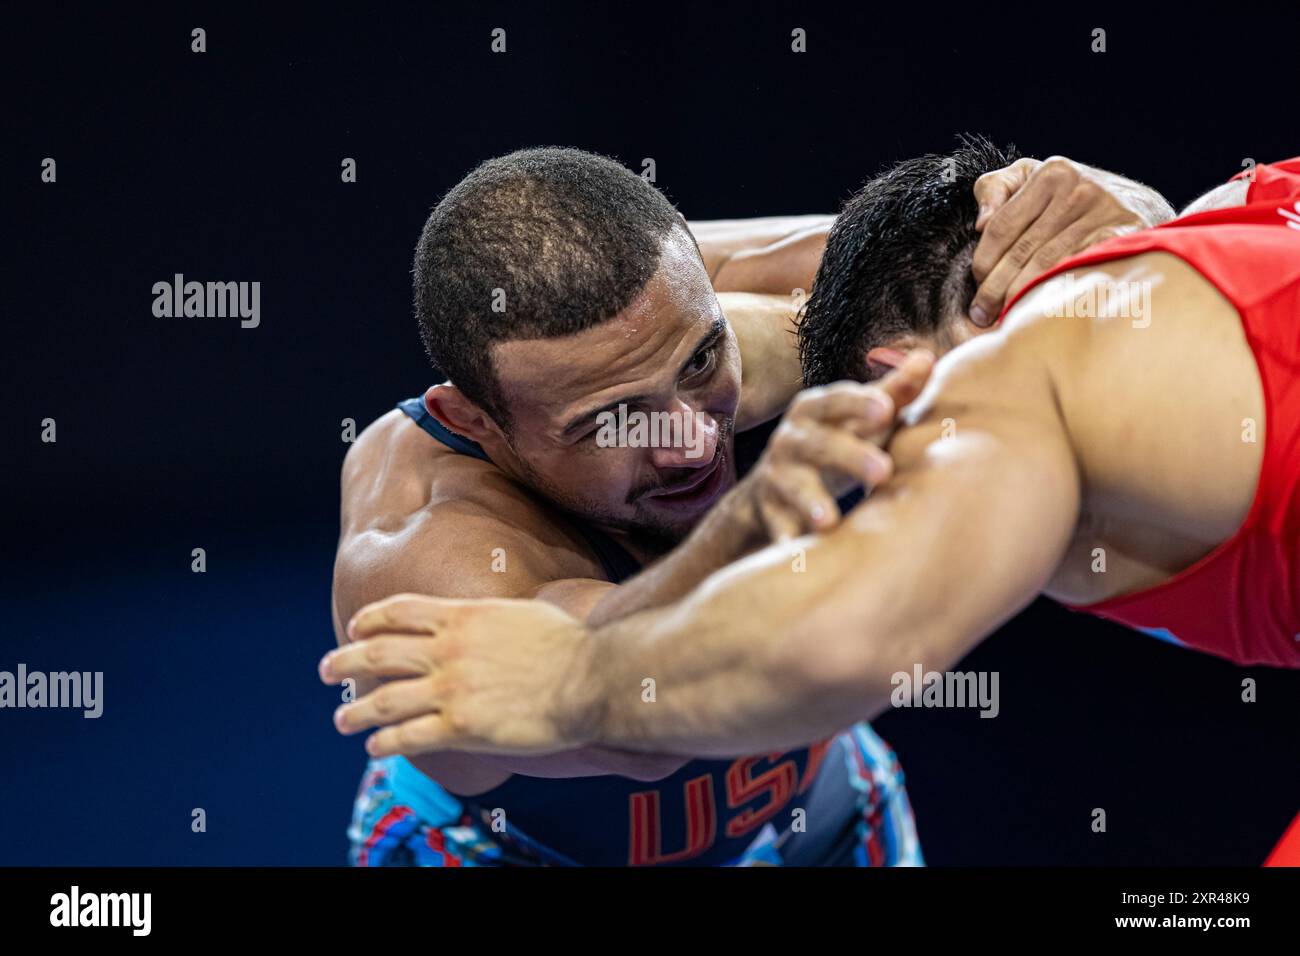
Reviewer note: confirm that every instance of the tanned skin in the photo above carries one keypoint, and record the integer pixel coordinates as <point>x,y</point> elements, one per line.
<point>1033,445</point>
<point>405,496</point>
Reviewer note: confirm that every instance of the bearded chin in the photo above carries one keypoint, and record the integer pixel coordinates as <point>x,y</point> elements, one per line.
<point>653,534</point>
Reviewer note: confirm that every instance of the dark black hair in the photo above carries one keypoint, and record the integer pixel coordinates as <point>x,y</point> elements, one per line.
<point>897,260</point>
<point>570,238</point>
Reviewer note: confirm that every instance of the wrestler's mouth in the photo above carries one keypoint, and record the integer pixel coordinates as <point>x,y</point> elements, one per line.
<point>701,488</point>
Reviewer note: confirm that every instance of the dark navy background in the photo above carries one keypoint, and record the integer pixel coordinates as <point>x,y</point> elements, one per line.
<point>183,433</point>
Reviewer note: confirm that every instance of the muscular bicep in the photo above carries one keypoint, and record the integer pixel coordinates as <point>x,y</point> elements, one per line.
<point>461,553</point>
<point>803,638</point>
<point>481,541</point>
<point>489,559</point>
<point>980,511</point>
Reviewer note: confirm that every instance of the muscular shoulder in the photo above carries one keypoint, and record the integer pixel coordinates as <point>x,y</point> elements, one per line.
<point>1112,297</point>
<point>416,516</point>
<point>396,474</point>
<point>1082,329</point>
<point>1122,334</point>
<point>995,395</point>
<point>1004,374</point>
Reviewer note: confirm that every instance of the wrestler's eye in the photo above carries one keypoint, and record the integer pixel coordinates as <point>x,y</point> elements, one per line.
<point>702,362</point>
<point>593,429</point>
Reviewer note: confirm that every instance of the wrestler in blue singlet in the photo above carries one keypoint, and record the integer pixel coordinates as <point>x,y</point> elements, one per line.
<point>840,802</point>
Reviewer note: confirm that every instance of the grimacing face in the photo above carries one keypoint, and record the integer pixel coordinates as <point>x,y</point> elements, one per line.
<point>670,351</point>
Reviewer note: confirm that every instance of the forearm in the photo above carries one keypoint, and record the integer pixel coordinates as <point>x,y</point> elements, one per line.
<point>1146,202</point>
<point>779,268</point>
<point>714,543</point>
<point>726,533</point>
<point>769,255</point>
<point>719,539</point>
<point>729,676</point>
<point>801,640</point>
<point>769,354</point>
<point>1220,197</point>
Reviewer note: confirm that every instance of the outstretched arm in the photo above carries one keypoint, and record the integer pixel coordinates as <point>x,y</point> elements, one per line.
<point>792,643</point>
<point>785,648</point>
<point>771,254</point>
<point>826,444</point>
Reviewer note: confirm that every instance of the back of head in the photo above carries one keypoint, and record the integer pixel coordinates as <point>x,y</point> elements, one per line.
<point>540,243</point>
<point>897,264</point>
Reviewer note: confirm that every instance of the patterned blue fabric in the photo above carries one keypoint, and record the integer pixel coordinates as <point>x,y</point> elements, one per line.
<point>402,818</point>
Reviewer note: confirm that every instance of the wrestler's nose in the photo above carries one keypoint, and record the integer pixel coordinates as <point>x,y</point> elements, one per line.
<point>689,441</point>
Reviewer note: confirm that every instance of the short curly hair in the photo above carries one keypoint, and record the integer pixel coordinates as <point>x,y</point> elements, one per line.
<point>568,238</point>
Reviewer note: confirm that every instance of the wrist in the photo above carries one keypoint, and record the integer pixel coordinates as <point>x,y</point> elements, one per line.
<point>582,702</point>
<point>738,525</point>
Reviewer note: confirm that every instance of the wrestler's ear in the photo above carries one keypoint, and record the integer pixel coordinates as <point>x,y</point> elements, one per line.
<point>883,359</point>
<point>880,360</point>
<point>455,411</point>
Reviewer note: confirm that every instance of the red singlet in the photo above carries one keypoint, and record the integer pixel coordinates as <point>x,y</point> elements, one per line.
<point>1241,601</point>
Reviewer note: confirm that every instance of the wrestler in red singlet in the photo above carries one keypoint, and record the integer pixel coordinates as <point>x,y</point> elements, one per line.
<point>1241,601</point>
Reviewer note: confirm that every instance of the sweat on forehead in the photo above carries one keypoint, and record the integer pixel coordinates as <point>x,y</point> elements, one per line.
<point>638,352</point>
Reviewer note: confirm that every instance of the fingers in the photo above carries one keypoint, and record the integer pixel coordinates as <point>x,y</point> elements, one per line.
<point>800,489</point>
<point>812,464</point>
<point>780,520</point>
<point>418,735</point>
<point>818,447</point>
<point>399,614</point>
<point>829,443</point>
<point>842,401</point>
<point>1016,215</point>
<point>1060,209</point>
<point>390,704</point>
<point>379,657</point>
<point>1076,237</point>
<point>992,190</point>
<point>868,407</point>
<point>1040,237</point>
<point>908,379</point>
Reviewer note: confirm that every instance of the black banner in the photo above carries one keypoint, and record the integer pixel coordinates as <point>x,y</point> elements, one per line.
<point>342,905</point>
